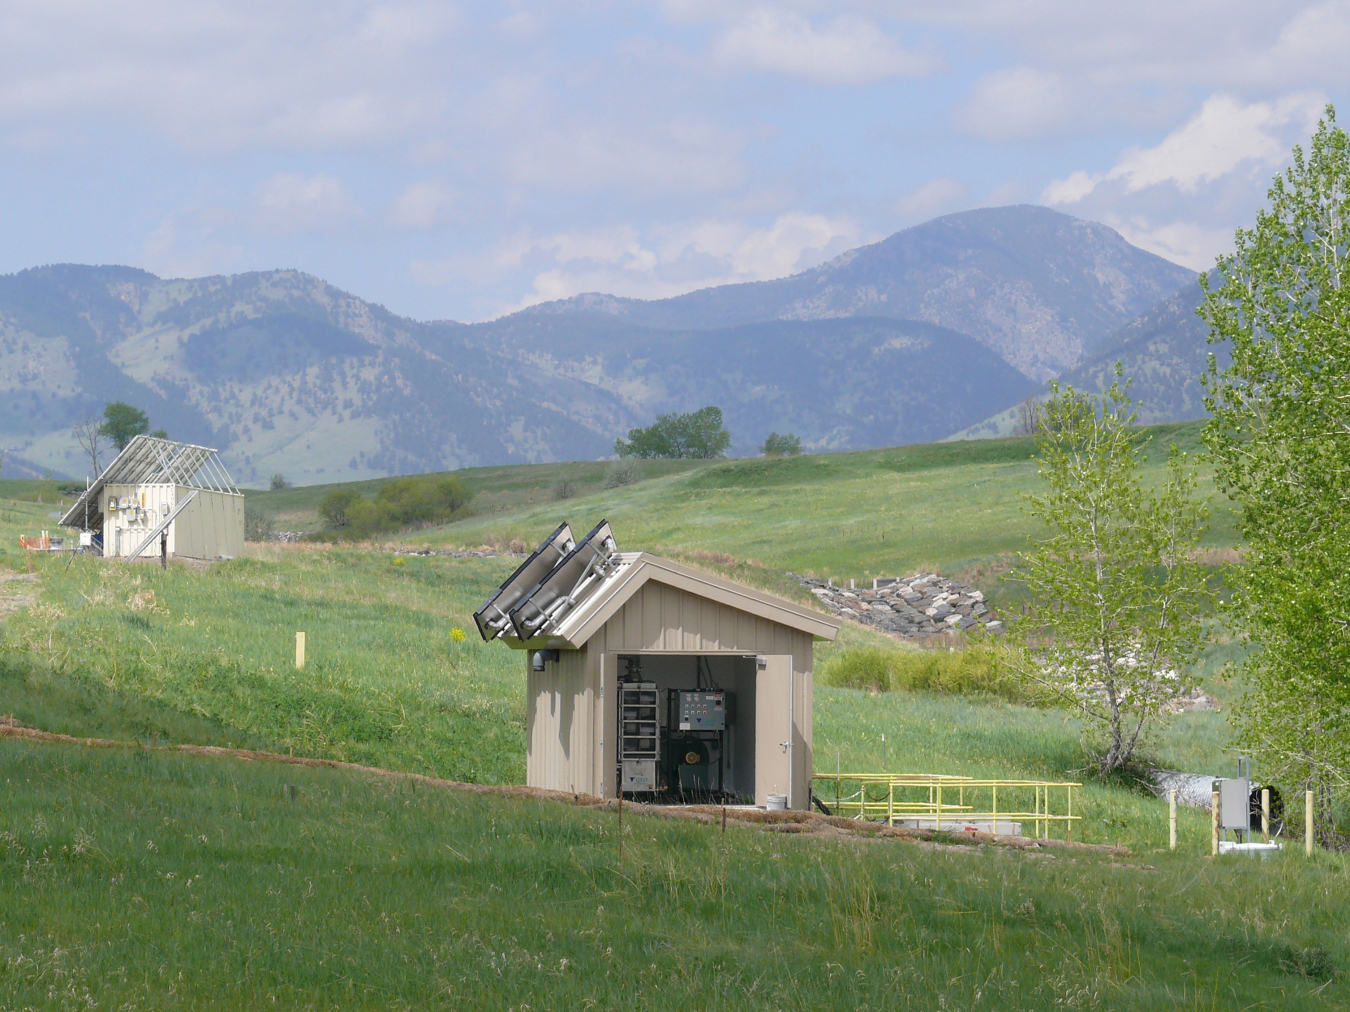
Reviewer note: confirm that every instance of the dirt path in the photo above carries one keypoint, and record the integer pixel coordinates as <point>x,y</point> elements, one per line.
<point>780,822</point>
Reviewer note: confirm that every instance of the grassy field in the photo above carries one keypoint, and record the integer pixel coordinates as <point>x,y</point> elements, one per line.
<point>138,867</point>
<point>495,489</point>
<point>145,880</point>
<point>947,507</point>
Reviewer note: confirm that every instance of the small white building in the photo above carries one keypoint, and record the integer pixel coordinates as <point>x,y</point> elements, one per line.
<point>650,679</point>
<point>160,495</point>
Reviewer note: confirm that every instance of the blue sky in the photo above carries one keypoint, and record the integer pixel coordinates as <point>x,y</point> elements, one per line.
<point>462,160</point>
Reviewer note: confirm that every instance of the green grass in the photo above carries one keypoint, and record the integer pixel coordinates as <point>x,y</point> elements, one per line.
<point>142,880</point>
<point>948,506</point>
<point>385,683</point>
<point>162,880</point>
<point>495,489</point>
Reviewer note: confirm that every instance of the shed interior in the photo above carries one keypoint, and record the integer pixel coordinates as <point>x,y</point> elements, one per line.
<point>687,728</point>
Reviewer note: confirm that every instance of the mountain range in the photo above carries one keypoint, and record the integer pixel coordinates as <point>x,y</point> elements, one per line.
<point>909,339</point>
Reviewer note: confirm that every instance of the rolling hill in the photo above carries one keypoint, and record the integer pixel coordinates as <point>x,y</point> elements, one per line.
<point>1040,288</point>
<point>908,340</point>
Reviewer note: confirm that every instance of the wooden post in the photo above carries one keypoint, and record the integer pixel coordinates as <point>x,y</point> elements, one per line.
<point>1308,823</point>
<point>1214,826</point>
<point>1265,814</point>
<point>1171,820</point>
<point>299,650</point>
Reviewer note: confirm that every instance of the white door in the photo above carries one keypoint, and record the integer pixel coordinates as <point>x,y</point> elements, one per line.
<point>773,728</point>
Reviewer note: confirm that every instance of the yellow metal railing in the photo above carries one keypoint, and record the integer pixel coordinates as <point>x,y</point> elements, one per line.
<point>948,802</point>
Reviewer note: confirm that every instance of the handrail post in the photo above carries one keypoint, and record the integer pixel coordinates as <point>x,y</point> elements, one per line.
<point>994,791</point>
<point>1214,825</point>
<point>890,806</point>
<point>1172,820</point>
<point>939,807</point>
<point>1308,823</point>
<point>1069,791</point>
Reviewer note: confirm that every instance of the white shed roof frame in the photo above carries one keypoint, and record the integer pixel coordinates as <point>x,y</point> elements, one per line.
<point>148,460</point>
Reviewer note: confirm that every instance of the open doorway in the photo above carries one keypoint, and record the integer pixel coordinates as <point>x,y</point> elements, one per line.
<point>687,728</point>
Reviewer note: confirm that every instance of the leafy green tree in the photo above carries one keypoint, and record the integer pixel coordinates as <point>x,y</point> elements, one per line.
<point>339,509</point>
<point>1280,437</point>
<point>279,482</point>
<point>122,423</point>
<point>405,502</point>
<point>1117,596</point>
<point>425,498</point>
<point>698,434</point>
<point>160,434</point>
<point>786,445</point>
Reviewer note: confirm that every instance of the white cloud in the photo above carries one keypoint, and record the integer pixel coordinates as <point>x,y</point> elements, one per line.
<point>163,252</point>
<point>1224,136</point>
<point>290,202</point>
<point>1221,137</point>
<point>421,205</point>
<point>931,198</point>
<point>1071,189</point>
<point>620,261</point>
<point>687,156</point>
<point>1183,242</point>
<point>847,50</point>
<point>1014,104</point>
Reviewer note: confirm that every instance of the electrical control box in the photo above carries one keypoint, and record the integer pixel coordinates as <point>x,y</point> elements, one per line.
<point>703,711</point>
<point>639,775</point>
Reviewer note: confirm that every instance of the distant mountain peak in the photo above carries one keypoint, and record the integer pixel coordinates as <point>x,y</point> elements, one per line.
<point>1038,287</point>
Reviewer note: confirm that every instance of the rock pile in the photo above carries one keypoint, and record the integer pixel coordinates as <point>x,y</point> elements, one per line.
<point>922,605</point>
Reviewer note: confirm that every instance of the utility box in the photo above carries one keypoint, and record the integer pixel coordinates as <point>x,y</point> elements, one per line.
<point>703,711</point>
<point>1235,803</point>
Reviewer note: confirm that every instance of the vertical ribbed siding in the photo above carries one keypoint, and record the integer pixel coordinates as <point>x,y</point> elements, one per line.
<point>560,724</point>
<point>658,619</point>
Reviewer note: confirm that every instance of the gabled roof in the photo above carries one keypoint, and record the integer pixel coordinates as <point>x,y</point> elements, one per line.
<point>148,460</point>
<point>636,569</point>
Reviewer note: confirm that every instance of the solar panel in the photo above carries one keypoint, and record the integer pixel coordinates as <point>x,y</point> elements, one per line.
<point>574,577</point>
<point>492,619</point>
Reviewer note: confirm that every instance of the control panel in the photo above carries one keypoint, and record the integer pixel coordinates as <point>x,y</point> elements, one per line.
<point>702,711</point>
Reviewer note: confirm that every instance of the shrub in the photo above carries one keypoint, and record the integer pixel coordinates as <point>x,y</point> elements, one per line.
<point>698,434</point>
<point>979,670</point>
<point>621,473</point>
<point>420,499</point>
<point>258,526</point>
<point>336,510</point>
<point>564,490</point>
<point>784,445</point>
<point>279,482</point>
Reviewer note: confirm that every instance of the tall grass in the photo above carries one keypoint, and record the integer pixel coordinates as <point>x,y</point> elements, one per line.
<point>977,670</point>
<point>148,880</point>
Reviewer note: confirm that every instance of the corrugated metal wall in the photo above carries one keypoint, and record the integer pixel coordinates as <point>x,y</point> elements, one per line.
<point>559,724</point>
<point>564,705</point>
<point>210,526</point>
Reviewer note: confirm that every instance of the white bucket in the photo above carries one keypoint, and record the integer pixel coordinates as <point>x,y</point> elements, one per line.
<point>777,803</point>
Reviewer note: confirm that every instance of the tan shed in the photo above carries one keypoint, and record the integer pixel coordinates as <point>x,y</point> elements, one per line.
<point>158,497</point>
<point>657,680</point>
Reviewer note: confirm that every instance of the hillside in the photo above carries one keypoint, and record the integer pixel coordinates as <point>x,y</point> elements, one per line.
<point>1039,288</point>
<point>839,384</point>
<point>1166,351</point>
<point>158,877</point>
<point>280,370</point>
<point>907,340</point>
